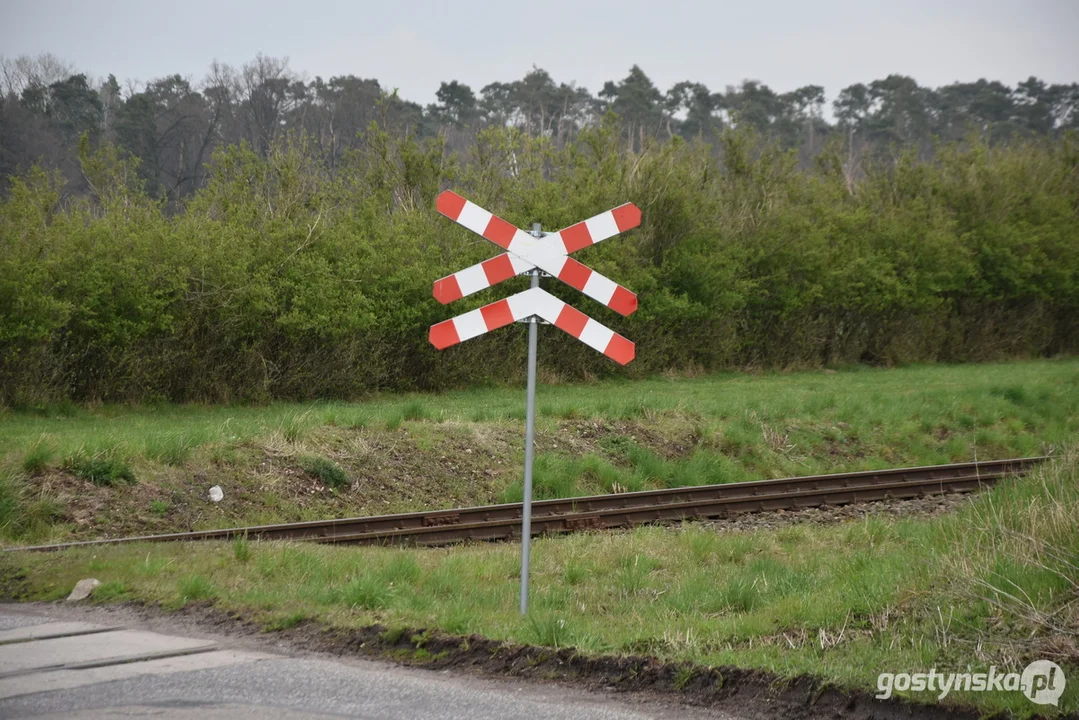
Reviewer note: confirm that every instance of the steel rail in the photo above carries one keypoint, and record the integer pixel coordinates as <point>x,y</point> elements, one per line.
<point>498,522</point>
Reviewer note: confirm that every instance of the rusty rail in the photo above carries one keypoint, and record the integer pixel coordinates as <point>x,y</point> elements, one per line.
<point>501,522</point>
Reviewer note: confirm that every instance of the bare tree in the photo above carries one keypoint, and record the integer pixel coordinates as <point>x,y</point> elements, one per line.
<point>267,94</point>
<point>24,71</point>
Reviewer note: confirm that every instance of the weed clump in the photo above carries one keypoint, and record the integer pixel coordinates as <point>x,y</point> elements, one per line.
<point>173,449</point>
<point>549,630</point>
<point>241,548</point>
<point>295,426</point>
<point>37,459</point>
<point>195,588</point>
<point>286,622</point>
<point>415,410</point>
<point>330,473</point>
<point>368,591</point>
<point>113,591</point>
<point>101,470</point>
<point>22,515</point>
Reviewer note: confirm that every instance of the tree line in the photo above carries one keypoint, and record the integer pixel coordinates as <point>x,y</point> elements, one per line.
<point>172,126</point>
<point>282,275</point>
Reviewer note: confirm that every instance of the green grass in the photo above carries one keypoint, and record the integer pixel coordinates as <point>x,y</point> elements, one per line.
<point>38,458</point>
<point>173,448</point>
<point>241,548</point>
<point>407,452</point>
<point>994,583</point>
<point>24,513</point>
<point>193,589</point>
<point>871,401</point>
<point>285,622</point>
<point>415,410</point>
<point>101,470</point>
<point>114,591</point>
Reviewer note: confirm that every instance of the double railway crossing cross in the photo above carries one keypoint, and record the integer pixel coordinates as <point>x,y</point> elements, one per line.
<point>534,253</point>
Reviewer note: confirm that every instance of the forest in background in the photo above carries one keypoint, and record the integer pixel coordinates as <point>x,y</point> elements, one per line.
<point>173,124</point>
<point>261,236</point>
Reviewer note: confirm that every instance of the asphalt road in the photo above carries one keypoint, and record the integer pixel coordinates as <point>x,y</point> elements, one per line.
<point>56,665</point>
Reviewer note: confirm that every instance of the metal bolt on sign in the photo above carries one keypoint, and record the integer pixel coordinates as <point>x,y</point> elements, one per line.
<point>535,254</point>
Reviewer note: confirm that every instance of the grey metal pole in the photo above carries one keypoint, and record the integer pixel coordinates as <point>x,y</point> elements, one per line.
<point>530,430</point>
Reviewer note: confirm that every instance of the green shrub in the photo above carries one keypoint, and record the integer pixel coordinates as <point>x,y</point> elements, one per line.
<point>743,258</point>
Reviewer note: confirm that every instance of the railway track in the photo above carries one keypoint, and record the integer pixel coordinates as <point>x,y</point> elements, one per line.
<point>503,522</point>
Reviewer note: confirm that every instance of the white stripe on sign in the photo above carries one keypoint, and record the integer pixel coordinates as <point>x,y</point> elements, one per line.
<point>595,335</point>
<point>522,304</point>
<point>600,288</point>
<point>472,279</point>
<point>474,218</point>
<point>601,226</point>
<point>470,324</point>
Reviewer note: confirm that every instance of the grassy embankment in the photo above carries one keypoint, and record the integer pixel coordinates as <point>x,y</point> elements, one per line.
<point>996,583</point>
<point>70,472</point>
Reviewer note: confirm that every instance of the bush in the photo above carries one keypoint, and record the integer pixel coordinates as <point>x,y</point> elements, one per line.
<point>280,280</point>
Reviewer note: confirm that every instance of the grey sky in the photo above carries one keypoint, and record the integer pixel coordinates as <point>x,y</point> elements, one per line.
<point>414,45</point>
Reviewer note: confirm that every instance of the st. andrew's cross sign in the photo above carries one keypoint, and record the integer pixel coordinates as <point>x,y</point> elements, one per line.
<point>533,253</point>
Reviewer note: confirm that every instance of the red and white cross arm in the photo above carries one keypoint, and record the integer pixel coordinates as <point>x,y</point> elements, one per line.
<point>526,252</point>
<point>538,302</point>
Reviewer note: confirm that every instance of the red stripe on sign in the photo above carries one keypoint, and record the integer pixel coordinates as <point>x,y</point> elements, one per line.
<point>450,204</point>
<point>497,314</point>
<point>498,269</point>
<point>571,320</point>
<point>620,350</point>
<point>576,237</point>
<point>575,274</point>
<point>626,216</point>
<point>499,231</point>
<point>447,290</point>
<point>444,334</point>
<point>623,301</point>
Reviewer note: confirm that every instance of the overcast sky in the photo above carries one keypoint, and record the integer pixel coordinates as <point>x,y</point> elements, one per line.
<point>414,45</point>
